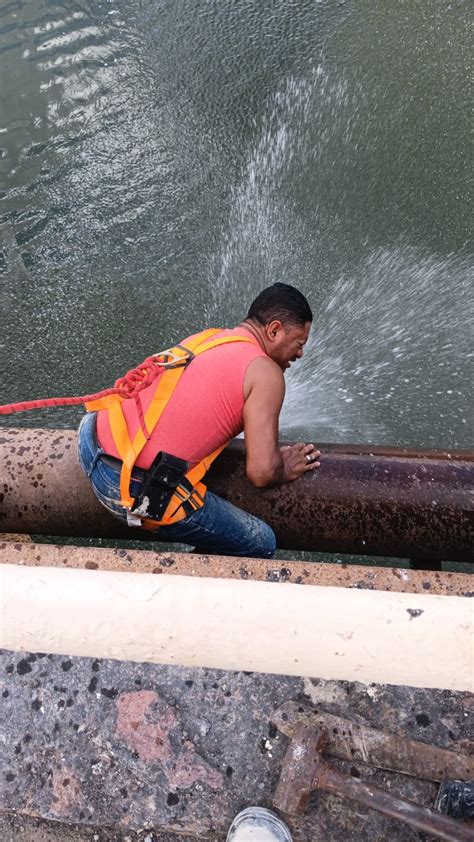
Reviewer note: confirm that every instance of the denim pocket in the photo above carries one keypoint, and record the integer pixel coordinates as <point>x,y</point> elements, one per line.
<point>111,503</point>
<point>107,479</point>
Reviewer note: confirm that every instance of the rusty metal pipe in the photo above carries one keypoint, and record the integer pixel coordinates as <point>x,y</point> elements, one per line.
<point>364,500</point>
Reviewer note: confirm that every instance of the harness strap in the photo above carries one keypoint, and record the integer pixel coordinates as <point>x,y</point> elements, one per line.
<point>189,495</point>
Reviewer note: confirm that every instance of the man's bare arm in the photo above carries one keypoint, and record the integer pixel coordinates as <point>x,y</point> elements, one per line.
<point>266,463</point>
<point>265,388</point>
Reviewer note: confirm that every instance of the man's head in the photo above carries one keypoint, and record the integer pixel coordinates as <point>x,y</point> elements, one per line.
<point>283,318</point>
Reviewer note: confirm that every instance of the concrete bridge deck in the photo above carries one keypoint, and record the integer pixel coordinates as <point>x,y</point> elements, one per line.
<point>114,749</point>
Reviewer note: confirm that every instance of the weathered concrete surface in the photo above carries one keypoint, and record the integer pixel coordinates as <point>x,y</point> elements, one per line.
<point>129,746</point>
<point>19,827</point>
<point>375,503</point>
<point>225,567</point>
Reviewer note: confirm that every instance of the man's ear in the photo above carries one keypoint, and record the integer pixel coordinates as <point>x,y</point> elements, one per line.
<point>273,328</point>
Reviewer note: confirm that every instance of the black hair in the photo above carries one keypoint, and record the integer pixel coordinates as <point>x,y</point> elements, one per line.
<point>283,302</point>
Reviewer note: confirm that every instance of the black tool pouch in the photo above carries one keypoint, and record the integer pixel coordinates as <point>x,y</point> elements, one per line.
<point>160,482</point>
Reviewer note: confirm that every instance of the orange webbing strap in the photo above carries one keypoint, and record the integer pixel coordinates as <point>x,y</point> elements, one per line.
<point>194,477</point>
<point>157,405</point>
<point>129,450</point>
<point>103,403</point>
<point>165,388</point>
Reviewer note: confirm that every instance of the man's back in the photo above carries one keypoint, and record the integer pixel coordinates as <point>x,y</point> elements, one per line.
<point>204,412</point>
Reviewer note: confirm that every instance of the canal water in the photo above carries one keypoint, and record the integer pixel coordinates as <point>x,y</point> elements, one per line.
<point>161,162</point>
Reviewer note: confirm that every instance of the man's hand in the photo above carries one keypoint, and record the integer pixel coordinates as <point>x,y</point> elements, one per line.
<point>298,459</point>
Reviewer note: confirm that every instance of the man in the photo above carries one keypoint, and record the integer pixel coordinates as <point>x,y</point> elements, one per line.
<point>218,384</point>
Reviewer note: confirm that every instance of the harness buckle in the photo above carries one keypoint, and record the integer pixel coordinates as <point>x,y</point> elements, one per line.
<point>186,494</point>
<point>173,360</point>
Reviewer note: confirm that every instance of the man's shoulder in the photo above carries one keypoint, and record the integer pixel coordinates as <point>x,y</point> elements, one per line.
<point>263,364</point>
<point>263,374</point>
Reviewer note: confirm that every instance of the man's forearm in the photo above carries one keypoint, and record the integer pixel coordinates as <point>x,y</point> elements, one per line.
<point>287,464</point>
<point>267,476</point>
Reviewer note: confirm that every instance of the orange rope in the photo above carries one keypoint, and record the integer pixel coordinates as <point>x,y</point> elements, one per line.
<point>127,386</point>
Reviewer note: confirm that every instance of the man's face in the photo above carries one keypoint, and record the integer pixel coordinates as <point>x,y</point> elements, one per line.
<point>287,342</point>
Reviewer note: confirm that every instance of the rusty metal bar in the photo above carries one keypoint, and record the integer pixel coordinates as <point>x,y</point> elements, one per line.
<point>374,798</point>
<point>359,742</point>
<point>376,501</point>
<point>297,776</point>
<point>304,770</point>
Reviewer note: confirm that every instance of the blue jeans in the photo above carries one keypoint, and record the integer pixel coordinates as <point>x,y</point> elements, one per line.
<point>217,528</point>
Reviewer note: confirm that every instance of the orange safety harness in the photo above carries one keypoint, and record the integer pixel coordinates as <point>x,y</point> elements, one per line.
<point>189,494</point>
<point>174,362</point>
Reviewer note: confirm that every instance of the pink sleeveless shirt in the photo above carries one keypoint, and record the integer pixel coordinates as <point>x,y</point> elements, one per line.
<point>204,411</point>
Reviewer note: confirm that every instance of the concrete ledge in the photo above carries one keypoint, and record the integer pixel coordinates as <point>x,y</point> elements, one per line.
<point>226,567</point>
